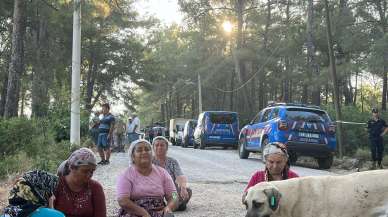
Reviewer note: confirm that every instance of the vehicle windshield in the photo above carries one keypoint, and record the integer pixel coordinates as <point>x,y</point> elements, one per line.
<point>222,118</point>
<point>300,114</point>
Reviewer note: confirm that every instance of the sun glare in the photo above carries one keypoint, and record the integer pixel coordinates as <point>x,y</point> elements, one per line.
<point>228,27</point>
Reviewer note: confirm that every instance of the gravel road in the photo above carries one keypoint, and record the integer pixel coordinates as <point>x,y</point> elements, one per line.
<point>217,178</point>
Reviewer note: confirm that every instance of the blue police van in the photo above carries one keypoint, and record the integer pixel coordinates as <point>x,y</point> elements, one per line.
<point>217,128</point>
<point>305,130</point>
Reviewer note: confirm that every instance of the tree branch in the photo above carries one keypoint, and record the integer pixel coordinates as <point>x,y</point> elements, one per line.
<point>50,5</point>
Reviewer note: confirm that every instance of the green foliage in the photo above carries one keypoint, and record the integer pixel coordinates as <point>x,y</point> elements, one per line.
<point>59,122</point>
<point>10,164</point>
<point>362,154</point>
<point>355,135</point>
<point>18,134</point>
<point>32,141</point>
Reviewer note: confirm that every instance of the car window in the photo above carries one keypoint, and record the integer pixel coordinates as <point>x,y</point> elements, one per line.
<point>302,114</point>
<point>266,115</point>
<point>275,113</point>
<point>222,118</point>
<point>256,119</point>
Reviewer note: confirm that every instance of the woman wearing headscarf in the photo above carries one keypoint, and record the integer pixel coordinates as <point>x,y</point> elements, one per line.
<point>77,194</point>
<point>160,146</point>
<point>143,188</point>
<point>276,166</point>
<point>31,193</point>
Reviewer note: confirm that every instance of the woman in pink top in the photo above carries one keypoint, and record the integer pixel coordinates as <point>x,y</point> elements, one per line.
<point>276,167</point>
<point>143,187</point>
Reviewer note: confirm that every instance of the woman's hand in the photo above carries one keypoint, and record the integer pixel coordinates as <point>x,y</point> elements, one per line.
<point>167,210</point>
<point>184,194</point>
<point>51,202</point>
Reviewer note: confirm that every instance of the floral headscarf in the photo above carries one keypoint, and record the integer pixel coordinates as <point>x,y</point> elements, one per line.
<point>30,192</point>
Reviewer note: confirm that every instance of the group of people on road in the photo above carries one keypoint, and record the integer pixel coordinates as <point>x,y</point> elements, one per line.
<point>152,186</point>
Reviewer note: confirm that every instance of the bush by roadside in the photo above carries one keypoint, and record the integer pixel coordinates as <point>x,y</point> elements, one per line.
<point>34,143</point>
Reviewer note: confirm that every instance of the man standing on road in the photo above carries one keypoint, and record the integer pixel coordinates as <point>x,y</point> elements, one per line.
<point>377,128</point>
<point>133,129</point>
<point>105,135</point>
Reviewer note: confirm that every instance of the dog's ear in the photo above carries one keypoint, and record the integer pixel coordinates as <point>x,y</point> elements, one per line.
<point>273,196</point>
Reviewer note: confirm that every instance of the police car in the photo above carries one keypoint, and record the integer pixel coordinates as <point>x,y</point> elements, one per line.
<point>306,131</point>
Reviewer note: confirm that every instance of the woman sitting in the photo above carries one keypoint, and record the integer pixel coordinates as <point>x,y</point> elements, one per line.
<point>160,145</point>
<point>143,187</point>
<point>276,166</point>
<point>77,195</point>
<point>32,194</point>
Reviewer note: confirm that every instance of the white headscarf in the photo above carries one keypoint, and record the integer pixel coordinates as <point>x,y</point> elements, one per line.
<point>273,148</point>
<point>133,146</point>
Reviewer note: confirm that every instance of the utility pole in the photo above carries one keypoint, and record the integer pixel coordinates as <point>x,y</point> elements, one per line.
<point>199,95</point>
<point>75,76</point>
<point>333,71</point>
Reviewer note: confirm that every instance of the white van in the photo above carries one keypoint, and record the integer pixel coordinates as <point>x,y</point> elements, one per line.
<point>176,130</point>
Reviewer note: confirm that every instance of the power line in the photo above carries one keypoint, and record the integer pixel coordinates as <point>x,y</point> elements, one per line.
<point>256,73</point>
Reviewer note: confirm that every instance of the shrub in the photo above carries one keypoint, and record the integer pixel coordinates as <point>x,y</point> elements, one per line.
<point>354,135</point>
<point>362,154</point>
<point>385,160</point>
<point>21,134</point>
<point>10,164</point>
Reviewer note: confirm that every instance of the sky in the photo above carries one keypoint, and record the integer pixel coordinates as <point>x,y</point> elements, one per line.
<point>166,10</point>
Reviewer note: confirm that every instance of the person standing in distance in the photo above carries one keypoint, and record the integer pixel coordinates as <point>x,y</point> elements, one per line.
<point>105,135</point>
<point>133,128</point>
<point>377,128</point>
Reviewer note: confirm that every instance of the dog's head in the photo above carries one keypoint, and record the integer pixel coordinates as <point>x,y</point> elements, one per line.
<point>262,200</point>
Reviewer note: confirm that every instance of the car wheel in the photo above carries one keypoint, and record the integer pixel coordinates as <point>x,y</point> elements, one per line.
<point>242,152</point>
<point>325,163</point>
<point>202,144</point>
<point>263,144</point>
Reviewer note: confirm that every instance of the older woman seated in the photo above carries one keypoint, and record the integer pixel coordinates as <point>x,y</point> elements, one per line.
<point>276,166</point>
<point>160,145</point>
<point>77,195</point>
<point>143,187</point>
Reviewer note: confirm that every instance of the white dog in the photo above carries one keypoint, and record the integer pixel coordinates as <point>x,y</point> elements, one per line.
<point>363,194</point>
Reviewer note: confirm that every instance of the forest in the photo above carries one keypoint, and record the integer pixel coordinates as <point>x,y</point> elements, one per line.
<point>246,52</point>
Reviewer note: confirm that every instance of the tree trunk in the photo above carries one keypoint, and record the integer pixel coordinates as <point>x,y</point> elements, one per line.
<point>90,80</point>
<point>41,77</point>
<point>231,105</point>
<point>286,81</point>
<point>384,93</point>
<point>382,9</point>
<point>355,90</point>
<point>304,93</point>
<point>240,67</point>
<point>312,64</point>
<point>16,67</point>
<point>335,82</point>
<point>3,96</point>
